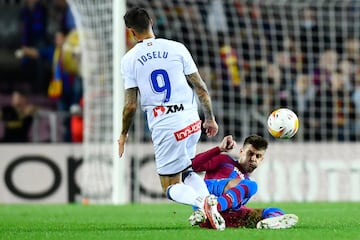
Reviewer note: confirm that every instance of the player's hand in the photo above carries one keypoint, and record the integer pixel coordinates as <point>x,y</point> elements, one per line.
<point>121,143</point>
<point>227,144</point>
<point>211,127</point>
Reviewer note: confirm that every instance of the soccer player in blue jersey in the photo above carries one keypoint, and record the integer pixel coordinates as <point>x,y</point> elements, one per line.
<point>163,73</point>
<point>229,179</point>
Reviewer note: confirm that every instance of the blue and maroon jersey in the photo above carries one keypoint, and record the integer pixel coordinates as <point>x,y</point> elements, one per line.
<point>217,165</point>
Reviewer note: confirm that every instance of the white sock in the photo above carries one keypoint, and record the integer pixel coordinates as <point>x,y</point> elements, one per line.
<point>197,183</point>
<point>185,194</point>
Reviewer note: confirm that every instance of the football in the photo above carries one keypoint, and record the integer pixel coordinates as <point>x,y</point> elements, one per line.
<point>283,123</point>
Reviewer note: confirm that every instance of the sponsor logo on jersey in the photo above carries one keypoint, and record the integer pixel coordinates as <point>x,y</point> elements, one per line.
<point>187,131</point>
<point>161,110</point>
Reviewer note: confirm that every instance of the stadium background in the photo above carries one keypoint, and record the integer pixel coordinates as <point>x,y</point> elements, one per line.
<point>254,55</point>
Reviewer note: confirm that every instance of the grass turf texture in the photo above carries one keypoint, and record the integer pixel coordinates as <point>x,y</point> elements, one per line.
<point>168,221</point>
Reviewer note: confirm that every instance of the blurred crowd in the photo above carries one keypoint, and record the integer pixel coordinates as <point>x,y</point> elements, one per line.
<point>261,55</point>
<point>49,57</point>
<point>255,56</point>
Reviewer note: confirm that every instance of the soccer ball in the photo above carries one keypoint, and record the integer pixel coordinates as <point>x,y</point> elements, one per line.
<point>283,123</point>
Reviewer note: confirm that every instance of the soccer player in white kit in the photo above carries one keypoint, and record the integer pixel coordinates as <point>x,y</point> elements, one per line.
<point>165,76</point>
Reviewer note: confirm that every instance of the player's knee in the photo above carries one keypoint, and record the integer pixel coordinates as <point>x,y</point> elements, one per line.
<point>169,180</point>
<point>251,187</point>
<point>232,183</point>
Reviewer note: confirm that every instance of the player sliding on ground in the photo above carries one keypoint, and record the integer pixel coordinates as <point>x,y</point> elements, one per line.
<point>229,179</point>
<point>164,75</point>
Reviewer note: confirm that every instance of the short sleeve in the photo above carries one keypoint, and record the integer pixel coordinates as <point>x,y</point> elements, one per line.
<point>127,74</point>
<point>189,64</point>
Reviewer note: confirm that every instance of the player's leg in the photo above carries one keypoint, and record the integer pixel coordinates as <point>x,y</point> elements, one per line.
<point>236,193</point>
<point>255,218</point>
<point>232,194</point>
<point>272,212</point>
<point>191,189</point>
<point>215,187</point>
<point>191,178</point>
<point>186,186</point>
<point>185,194</point>
<point>174,156</point>
<point>172,159</point>
<point>180,192</point>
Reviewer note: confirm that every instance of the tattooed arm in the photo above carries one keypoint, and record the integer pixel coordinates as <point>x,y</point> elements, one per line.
<point>201,90</point>
<point>128,116</point>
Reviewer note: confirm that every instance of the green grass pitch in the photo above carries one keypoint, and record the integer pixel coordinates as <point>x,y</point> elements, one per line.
<point>169,222</point>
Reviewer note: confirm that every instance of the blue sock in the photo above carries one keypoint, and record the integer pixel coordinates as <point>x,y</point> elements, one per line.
<point>237,196</point>
<point>272,212</point>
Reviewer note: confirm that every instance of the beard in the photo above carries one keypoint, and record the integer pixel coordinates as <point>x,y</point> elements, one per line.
<point>249,167</point>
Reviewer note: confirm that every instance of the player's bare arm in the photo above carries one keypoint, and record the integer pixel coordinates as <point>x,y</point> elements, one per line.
<point>201,90</point>
<point>130,106</point>
<point>129,110</point>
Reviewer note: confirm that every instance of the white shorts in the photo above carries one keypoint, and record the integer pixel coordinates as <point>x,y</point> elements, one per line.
<point>175,144</point>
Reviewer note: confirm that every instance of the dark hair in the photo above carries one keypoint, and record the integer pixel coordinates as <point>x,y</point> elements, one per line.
<point>138,19</point>
<point>256,141</point>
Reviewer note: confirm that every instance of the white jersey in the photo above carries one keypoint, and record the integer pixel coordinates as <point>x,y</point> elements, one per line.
<point>158,68</point>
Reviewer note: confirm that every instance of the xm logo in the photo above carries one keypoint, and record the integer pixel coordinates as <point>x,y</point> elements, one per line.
<point>161,110</point>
